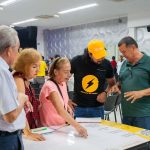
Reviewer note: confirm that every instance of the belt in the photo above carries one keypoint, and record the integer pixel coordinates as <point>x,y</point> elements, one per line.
<point>6,133</point>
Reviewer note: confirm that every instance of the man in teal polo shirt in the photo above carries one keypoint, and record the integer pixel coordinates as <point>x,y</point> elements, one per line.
<point>135,84</point>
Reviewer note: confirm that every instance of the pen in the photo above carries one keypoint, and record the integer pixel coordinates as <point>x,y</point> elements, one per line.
<point>36,130</point>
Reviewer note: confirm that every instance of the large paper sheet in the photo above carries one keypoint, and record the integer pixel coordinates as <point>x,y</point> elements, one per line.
<point>101,137</point>
<point>89,120</point>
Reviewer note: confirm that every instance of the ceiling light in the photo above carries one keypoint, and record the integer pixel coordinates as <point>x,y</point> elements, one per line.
<point>25,21</point>
<point>12,26</point>
<point>47,16</point>
<point>78,8</point>
<point>8,2</point>
<point>56,16</point>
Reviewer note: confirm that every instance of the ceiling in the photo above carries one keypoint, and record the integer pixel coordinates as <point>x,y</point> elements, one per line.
<point>107,9</point>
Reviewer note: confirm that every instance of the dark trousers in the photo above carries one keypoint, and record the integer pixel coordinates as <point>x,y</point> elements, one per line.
<point>89,111</point>
<point>141,122</point>
<point>11,141</point>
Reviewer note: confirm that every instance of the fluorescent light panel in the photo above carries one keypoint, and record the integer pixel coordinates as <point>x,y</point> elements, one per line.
<point>56,16</point>
<point>78,8</point>
<point>25,21</point>
<point>8,2</point>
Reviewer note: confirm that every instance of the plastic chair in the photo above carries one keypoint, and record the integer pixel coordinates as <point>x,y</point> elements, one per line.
<point>118,105</point>
<point>110,106</point>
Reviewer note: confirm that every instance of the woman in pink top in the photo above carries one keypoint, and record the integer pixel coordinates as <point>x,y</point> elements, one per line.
<point>54,97</point>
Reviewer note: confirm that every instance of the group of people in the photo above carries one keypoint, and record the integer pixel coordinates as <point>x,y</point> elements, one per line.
<point>117,65</point>
<point>19,109</point>
<point>93,81</point>
<point>92,71</point>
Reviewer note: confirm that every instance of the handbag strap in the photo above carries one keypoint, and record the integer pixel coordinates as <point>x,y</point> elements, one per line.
<point>58,89</point>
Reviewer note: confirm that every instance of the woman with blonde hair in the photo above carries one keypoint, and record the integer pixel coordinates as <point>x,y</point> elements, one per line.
<point>25,68</point>
<point>54,98</point>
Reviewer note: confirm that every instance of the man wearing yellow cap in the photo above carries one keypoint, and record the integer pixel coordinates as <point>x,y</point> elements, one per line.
<point>91,71</point>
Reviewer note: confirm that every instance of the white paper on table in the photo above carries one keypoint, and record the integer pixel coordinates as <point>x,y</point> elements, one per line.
<point>88,120</point>
<point>101,137</point>
<point>144,132</point>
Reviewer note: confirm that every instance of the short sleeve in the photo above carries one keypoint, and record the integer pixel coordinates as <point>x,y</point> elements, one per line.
<point>8,96</point>
<point>48,88</point>
<point>45,65</point>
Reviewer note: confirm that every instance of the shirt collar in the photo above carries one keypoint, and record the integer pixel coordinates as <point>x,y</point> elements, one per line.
<point>142,59</point>
<point>3,63</point>
<point>139,62</point>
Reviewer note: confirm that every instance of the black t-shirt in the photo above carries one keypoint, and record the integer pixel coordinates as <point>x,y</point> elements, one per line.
<point>89,80</point>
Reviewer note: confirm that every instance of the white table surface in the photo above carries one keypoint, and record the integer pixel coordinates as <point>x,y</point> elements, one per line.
<point>101,137</point>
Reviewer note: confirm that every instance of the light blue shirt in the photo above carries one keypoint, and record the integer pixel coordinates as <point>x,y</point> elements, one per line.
<point>8,99</point>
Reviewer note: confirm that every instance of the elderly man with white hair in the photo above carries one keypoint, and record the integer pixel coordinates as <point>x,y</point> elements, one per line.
<point>12,116</point>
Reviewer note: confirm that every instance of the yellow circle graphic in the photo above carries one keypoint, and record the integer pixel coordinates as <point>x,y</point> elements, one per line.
<point>90,83</point>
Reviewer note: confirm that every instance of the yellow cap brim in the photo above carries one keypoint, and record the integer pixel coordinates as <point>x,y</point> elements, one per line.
<point>99,54</point>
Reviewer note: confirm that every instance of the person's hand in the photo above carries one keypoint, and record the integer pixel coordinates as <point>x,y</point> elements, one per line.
<point>29,106</point>
<point>114,89</point>
<point>34,136</point>
<point>101,97</point>
<point>82,131</point>
<point>72,104</point>
<point>133,95</point>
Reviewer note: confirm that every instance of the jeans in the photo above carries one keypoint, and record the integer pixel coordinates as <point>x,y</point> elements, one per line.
<point>11,142</point>
<point>89,111</point>
<point>142,122</point>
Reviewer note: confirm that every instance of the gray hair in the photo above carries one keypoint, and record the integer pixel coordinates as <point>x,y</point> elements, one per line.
<point>8,37</point>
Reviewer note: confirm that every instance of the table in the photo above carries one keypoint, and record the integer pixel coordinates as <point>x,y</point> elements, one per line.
<point>102,136</point>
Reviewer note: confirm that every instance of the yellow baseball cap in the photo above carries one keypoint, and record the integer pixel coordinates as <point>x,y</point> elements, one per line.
<point>97,49</point>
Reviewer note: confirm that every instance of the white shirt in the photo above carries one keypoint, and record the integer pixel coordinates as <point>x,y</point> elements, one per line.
<point>8,99</point>
<point>70,83</point>
<point>119,64</point>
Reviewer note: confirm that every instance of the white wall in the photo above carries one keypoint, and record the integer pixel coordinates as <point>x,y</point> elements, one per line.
<point>132,32</point>
<point>139,19</point>
<point>137,24</point>
<point>71,41</point>
<point>143,39</point>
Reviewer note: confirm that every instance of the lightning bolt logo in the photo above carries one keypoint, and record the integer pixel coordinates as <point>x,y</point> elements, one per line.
<point>90,83</point>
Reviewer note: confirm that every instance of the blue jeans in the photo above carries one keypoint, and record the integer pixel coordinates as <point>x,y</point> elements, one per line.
<point>142,122</point>
<point>89,111</point>
<point>11,142</point>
